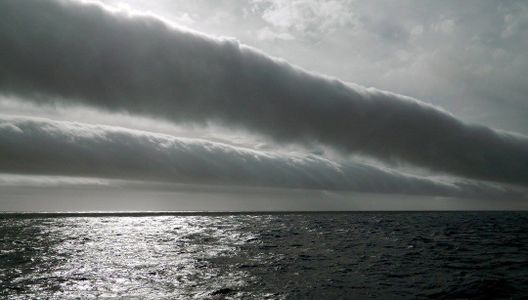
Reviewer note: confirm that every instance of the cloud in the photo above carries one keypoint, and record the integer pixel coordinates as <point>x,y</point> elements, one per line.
<point>267,34</point>
<point>17,180</point>
<point>83,53</point>
<point>42,146</point>
<point>307,19</point>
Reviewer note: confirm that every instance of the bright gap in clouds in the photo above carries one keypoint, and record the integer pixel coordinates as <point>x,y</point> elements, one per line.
<point>74,113</point>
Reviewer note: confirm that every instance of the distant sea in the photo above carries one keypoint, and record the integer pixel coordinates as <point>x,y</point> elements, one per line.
<point>385,255</point>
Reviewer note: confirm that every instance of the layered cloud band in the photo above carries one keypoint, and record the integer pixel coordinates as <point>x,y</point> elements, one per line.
<point>78,52</point>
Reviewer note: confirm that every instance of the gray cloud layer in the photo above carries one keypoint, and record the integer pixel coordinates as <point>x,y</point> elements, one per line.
<point>67,50</point>
<point>76,149</point>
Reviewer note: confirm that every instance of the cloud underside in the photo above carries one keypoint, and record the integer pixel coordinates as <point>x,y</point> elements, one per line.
<point>77,149</point>
<point>81,53</point>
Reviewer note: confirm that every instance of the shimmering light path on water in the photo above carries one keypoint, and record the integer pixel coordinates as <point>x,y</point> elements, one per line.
<point>276,256</point>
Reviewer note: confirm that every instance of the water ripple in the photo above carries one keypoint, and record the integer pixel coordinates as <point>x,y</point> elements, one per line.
<point>291,256</point>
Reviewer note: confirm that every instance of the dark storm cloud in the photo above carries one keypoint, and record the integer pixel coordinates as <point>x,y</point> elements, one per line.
<point>86,54</point>
<point>41,146</point>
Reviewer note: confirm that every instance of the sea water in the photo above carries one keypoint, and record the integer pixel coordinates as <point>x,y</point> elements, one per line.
<point>446,255</point>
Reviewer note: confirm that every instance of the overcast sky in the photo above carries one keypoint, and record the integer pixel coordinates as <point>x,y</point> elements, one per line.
<point>467,57</point>
<point>418,98</point>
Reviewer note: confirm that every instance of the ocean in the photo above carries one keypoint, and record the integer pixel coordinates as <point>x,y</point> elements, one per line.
<point>383,255</point>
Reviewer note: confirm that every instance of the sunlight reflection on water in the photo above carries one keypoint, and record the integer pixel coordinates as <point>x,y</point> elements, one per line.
<point>155,256</point>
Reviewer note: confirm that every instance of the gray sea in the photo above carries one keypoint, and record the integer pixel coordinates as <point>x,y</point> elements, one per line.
<point>407,255</point>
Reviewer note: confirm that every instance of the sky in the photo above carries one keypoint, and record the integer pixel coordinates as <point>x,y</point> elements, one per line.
<point>263,104</point>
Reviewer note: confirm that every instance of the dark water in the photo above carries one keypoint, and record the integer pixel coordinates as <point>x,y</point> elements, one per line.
<point>278,256</point>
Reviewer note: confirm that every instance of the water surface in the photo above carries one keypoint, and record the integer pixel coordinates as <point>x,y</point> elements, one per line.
<point>448,255</point>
